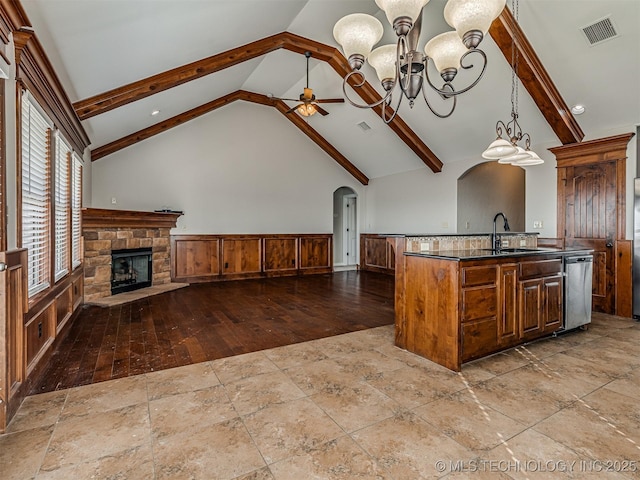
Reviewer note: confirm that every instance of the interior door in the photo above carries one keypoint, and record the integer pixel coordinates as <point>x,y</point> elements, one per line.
<point>349,243</point>
<point>591,214</point>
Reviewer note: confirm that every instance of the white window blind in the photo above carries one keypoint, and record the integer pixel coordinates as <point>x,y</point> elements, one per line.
<point>76,206</point>
<point>61,197</point>
<point>36,164</point>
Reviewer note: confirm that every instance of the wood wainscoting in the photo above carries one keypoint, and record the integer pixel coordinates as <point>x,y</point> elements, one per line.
<point>378,252</point>
<point>30,330</point>
<point>213,258</point>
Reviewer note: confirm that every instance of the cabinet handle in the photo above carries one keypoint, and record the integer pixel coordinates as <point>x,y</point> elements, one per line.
<point>293,261</point>
<point>226,264</point>
<point>609,244</point>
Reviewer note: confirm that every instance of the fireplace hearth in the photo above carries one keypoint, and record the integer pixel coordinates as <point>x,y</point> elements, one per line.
<point>131,269</point>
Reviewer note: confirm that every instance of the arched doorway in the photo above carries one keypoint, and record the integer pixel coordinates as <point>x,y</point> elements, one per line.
<point>345,229</point>
<point>486,189</point>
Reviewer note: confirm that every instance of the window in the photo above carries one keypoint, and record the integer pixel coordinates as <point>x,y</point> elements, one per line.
<point>61,204</point>
<point>76,205</point>
<point>36,143</point>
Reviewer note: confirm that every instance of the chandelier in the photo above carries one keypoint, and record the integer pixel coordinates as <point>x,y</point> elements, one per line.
<point>509,151</point>
<point>401,64</point>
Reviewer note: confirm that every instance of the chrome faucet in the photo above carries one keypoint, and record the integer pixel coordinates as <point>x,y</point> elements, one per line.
<point>495,240</point>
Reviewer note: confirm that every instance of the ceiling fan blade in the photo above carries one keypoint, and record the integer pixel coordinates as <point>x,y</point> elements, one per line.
<point>330,100</point>
<point>293,109</point>
<point>288,99</point>
<point>321,110</point>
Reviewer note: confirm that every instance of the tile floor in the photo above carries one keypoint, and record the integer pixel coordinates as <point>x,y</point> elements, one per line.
<point>349,407</point>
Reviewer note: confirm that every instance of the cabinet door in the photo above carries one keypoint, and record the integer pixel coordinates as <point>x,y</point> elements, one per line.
<point>391,254</point>
<point>241,256</point>
<point>315,254</point>
<point>196,258</point>
<point>280,254</point>
<point>478,338</point>
<point>552,309</point>
<point>376,252</point>
<point>531,302</point>
<point>508,316</point>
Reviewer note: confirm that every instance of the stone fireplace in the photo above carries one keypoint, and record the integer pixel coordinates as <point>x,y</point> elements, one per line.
<point>106,231</point>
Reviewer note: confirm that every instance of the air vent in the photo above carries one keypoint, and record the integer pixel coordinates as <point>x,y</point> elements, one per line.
<point>600,31</point>
<point>364,126</point>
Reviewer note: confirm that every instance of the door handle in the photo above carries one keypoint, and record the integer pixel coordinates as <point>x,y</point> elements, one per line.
<point>3,266</point>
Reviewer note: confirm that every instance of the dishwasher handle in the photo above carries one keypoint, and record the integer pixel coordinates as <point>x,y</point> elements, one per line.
<point>583,259</point>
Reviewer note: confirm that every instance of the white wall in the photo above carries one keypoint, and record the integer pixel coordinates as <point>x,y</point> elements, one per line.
<point>423,202</point>
<point>243,168</point>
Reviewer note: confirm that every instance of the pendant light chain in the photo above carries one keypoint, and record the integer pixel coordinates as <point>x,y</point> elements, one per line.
<point>507,150</point>
<point>514,61</point>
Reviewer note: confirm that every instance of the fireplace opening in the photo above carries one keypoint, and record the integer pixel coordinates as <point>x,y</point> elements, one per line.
<point>130,269</point>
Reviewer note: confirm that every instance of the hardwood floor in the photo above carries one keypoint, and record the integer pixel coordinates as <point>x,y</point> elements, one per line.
<point>208,321</point>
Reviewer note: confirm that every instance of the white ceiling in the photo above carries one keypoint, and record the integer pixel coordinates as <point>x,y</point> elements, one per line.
<point>98,45</point>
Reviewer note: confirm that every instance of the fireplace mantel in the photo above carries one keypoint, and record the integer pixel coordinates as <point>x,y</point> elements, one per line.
<point>107,218</point>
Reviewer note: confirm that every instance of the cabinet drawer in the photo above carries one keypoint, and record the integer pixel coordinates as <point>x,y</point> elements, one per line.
<point>479,303</point>
<point>540,268</point>
<point>482,275</point>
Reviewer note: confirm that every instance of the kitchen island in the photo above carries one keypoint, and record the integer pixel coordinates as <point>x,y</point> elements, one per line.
<point>459,305</point>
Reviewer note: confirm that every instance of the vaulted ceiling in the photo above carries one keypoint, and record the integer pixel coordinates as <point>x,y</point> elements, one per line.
<point>119,61</point>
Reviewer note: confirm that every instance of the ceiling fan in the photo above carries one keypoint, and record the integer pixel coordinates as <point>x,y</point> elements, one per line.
<point>309,105</point>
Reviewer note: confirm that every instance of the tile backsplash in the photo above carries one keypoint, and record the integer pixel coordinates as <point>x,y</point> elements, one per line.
<point>437,243</point>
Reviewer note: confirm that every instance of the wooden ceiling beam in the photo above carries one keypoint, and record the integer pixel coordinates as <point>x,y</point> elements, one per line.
<point>132,92</point>
<point>506,32</point>
<point>220,102</point>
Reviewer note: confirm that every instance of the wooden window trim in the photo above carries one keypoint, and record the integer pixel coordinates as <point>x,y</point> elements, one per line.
<point>37,75</point>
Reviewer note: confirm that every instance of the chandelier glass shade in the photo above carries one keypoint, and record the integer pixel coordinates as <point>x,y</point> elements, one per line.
<point>509,151</point>
<point>402,64</point>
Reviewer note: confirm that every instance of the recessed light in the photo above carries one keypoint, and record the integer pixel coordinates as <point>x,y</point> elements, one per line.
<point>155,112</point>
<point>577,109</point>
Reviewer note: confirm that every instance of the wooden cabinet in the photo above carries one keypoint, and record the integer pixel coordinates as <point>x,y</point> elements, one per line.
<point>454,311</point>
<point>241,256</point>
<point>280,255</point>
<point>199,257</point>
<point>508,331</point>
<point>316,254</point>
<point>211,258</point>
<point>479,310</point>
<point>378,252</point>
<point>539,297</point>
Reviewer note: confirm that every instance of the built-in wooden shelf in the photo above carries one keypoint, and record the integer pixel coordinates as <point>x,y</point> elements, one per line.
<point>107,218</point>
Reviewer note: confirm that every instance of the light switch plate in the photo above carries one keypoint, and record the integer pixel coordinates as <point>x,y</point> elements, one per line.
<point>537,224</point>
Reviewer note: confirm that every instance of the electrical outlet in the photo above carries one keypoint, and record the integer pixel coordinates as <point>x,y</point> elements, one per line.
<point>445,224</point>
<point>113,200</point>
<point>424,246</point>
<point>467,225</point>
<point>537,224</point>
<point>523,243</point>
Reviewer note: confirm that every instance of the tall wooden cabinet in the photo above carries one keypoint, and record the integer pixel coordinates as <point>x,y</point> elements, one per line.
<point>591,174</point>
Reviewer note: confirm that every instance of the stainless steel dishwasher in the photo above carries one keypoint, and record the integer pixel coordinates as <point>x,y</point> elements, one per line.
<point>578,272</point>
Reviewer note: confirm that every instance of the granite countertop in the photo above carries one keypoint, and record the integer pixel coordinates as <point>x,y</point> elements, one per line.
<point>449,234</point>
<point>479,253</point>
